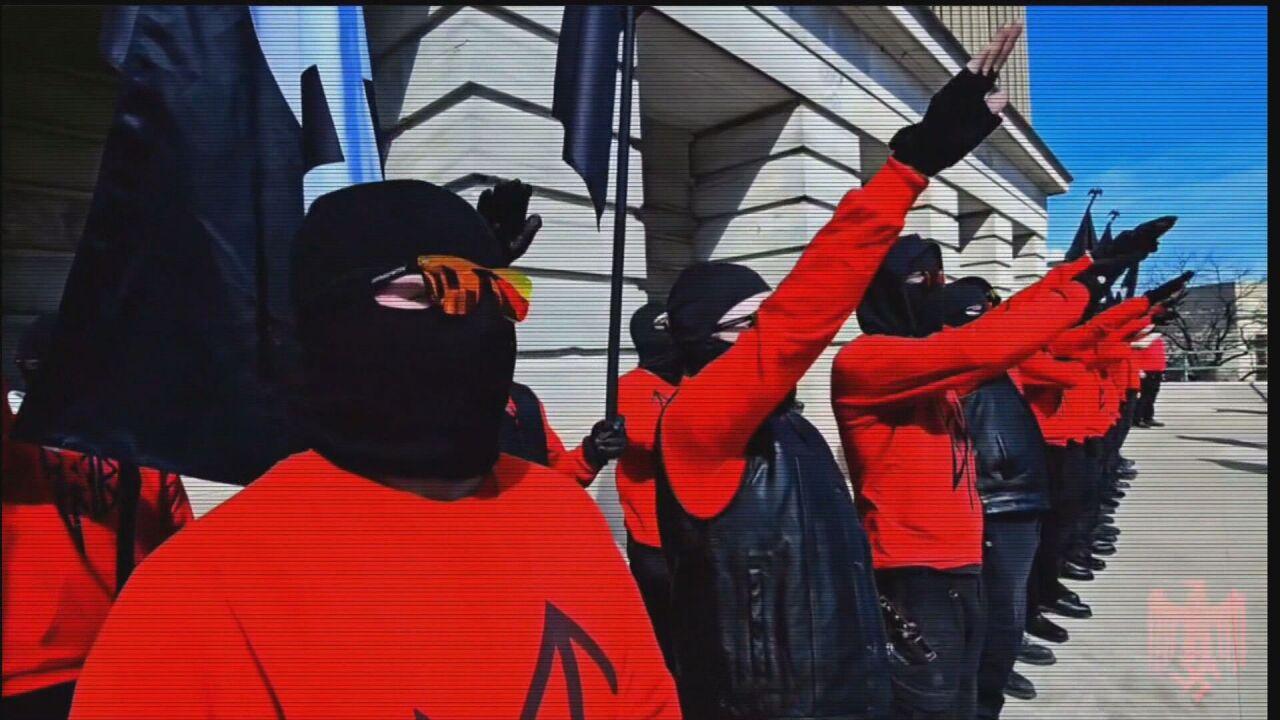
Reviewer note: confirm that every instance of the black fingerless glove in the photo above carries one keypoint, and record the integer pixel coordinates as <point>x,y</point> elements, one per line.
<point>956,122</point>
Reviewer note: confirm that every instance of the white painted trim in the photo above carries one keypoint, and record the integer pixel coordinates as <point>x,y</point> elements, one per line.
<point>879,112</point>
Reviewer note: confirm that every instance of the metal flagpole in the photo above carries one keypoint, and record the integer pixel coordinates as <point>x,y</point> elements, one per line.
<point>620,213</point>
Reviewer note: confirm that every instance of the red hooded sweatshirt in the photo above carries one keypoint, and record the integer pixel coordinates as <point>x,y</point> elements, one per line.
<point>709,422</point>
<point>641,398</point>
<point>897,403</point>
<point>55,596</point>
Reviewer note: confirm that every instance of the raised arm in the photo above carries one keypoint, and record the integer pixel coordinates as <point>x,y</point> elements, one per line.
<point>715,413</point>
<point>882,369</point>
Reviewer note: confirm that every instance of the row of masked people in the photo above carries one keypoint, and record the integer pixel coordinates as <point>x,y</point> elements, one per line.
<point>405,566</point>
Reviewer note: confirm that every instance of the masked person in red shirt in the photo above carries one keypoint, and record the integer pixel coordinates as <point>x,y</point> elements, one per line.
<point>403,567</point>
<point>1153,361</point>
<point>642,394</point>
<point>74,528</point>
<point>774,607</point>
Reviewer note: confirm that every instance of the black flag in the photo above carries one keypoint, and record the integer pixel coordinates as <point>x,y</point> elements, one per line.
<point>1086,239</point>
<point>583,97</point>
<point>175,323</point>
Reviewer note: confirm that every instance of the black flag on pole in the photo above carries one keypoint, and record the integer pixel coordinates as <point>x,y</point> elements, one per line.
<point>583,97</point>
<point>1086,239</point>
<point>174,327</point>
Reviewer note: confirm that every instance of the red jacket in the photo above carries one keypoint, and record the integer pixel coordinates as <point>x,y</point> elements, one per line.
<point>897,403</point>
<point>710,420</point>
<point>316,593</point>
<point>56,596</point>
<point>641,397</point>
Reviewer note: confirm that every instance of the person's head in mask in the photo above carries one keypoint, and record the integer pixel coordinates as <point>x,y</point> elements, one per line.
<point>709,306</point>
<point>406,329</point>
<point>903,299</point>
<point>654,345</point>
<point>34,346</point>
<point>966,300</point>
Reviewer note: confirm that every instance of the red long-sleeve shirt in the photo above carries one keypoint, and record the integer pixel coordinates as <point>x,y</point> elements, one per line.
<point>1153,358</point>
<point>569,462</point>
<point>710,420</point>
<point>56,597</point>
<point>1044,381</point>
<point>897,403</point>
<point>641,397</point>
<point>317,593</point>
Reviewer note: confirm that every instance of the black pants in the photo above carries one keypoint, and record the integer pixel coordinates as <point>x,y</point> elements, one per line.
<point>948,607</point>
<point>649,568</point>
<point>51,703</point>
<point>1008,551</point>
<point>1147,397</point>
<point>1067,496</point>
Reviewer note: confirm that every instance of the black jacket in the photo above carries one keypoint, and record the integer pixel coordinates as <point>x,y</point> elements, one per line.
<point>1012,475</point>
<point>778,611</point>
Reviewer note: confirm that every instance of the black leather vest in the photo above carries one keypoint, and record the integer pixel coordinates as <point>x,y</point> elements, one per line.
<point>524,435</point>
<point>774,603</point>
<point>1012,471</point>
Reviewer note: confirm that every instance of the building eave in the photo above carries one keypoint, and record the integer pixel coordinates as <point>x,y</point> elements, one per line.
<point>940,56</point>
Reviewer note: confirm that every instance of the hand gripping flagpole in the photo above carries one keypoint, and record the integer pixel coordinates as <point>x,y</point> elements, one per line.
<point>620,213</point>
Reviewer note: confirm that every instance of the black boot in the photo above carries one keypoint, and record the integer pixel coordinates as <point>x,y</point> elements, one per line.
<point>1045,629</point>
<point>1075,571</point>
<point>1102,548</point>
<point>1019,687</point>
<point>1122,485</point>
<point>1154,423</point>
<point>1033,654</point>
<point>1067,606</point>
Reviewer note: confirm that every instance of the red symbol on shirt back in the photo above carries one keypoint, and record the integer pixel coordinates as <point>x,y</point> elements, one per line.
<point>1195,641</point>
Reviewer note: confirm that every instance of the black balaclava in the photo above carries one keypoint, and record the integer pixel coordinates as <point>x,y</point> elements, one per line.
<point>391,392</point>
<point>657,351</point>
<point>699,299</point>
<point>965,300</point>
<point>891,306</point>
<point>33,347</point>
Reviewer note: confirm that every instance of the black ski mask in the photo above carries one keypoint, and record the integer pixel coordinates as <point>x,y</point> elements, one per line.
<point>892,305</point>
<point>966,300</point>
<point>657,351</point>
<point>33,348</point>
<point>699,300</point>
<point>384,391</point>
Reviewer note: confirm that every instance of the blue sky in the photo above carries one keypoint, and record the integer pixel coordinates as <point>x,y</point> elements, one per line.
<point>1165,109</point>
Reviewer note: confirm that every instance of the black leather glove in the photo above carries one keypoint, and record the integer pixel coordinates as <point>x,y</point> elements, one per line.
<point>1166,291</point>
<point>606,442</point>
<point>504,208</point>
<point>956,122</point>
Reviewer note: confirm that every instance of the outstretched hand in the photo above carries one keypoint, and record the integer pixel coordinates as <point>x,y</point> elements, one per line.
<point>504,208</point>
<point>1166,292</point>
<point>962,114</point>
